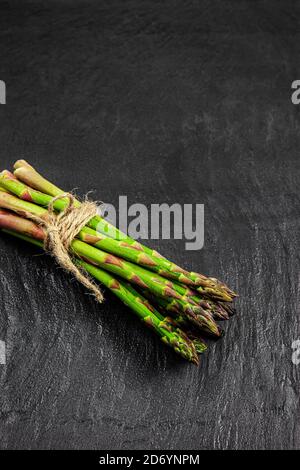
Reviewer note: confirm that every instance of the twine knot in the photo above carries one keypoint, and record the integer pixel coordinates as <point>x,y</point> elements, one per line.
<point>60,231</point>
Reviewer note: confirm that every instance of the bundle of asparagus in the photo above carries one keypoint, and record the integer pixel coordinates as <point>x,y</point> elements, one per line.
<point>180,306</point>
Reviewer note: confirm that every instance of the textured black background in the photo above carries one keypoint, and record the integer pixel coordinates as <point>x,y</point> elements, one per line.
<point>186,102</point>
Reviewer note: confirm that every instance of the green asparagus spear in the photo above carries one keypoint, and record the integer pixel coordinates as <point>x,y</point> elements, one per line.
<point>197,340</point>
<point>205,319</point>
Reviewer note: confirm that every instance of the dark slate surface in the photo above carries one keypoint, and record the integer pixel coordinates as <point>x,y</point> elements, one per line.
<point>183,102</point>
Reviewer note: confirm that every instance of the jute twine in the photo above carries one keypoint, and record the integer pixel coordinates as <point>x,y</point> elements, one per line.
<point>61,229</point>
